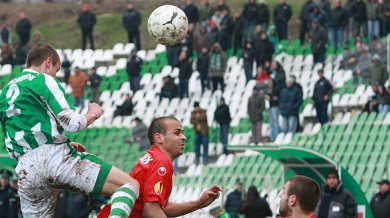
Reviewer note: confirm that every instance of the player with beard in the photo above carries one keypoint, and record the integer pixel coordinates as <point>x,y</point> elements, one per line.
<point>299,197</point>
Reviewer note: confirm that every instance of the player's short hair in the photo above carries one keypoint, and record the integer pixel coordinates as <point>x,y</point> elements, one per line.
<point>158,126</point>
<point>307,192</point>
<point>39,53</point>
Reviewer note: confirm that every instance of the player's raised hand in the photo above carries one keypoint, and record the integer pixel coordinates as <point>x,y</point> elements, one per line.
<point>95,109</point>
<point>79,147</point>
<point>209,196</point>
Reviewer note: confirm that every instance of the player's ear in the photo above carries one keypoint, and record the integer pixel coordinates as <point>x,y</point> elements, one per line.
<point>293,200</point>
<point>157,138</point>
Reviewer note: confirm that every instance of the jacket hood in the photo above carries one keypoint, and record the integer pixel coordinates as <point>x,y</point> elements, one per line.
<point>270,28</point>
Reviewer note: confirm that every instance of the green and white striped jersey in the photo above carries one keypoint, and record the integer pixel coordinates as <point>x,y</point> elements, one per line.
<point>29,105</point>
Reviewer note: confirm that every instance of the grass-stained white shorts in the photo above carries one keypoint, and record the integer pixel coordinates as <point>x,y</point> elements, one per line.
<point>49,168</point>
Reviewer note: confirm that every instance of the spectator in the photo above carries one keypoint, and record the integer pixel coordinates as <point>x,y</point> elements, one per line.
<point>206,11</point>
<point>185,72</point>
<point>36,39</point>
<point>278,75</point>
<point>95,80</point>
<point>338,21</point>
<point>7,55</point>
<point>218,63</point>
<point>299,198</point>
<point>248,56</point>
<point>217,18</point>
<point>318,38</point>
<point>20,55</point>
<point>282,14</point>
<point>201,38</point>
<point>263,15</point>
<point>361,69</point>
<point>383,100</point>
<point>234,200</point>
<point>307,8</point>
<point>126,109</point>
<point>372,104</point>
<point>318,15</point>
<point>168,89</point>
<point>321,97</point>
<point>359,13</point>
<point>380,201</point>
<point>131,20</point>
<point>8,207</point>
<point>133,67</point>
<point>273,37</point>
<point>264,49</point>
<point>250,17</point>
<point>384,9</point>
<point>272,96</point>
<point>140,135</point>
<point>192,12</point>
<point>199,120</point>
<point>23,28</point>
<point>5,34</point>
<point>349,32</point>
<point>256,108</point>
<point>227,27</point>
<point>300,89</point>
<point>334,195</point>
<point>202,65</point>
<point>213,35</point>
<point>377,72</point>
<point>86,22</point>
<point>324,6</point>
<point>373,17</point>
<point>222,6</point>
<point>187,44</point>
<point>262,75</point>
<point>218,211</point>
<point>289,103</point>
<point>239,24</point>
<point>173,53</point>
<point>78,82</point>
<point>222,116</point>
<point>65,66</point>
<point>254,206</point>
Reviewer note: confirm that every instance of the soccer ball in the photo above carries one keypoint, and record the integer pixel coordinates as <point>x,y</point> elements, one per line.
<point>168,25</point>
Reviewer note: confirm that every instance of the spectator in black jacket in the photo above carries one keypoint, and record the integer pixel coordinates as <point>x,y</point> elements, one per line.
<point>318,39</point>
<point>227,28</point>
<point>23,28</point>
<point>187,44</point>
<point>86,22</point>
<point>126,109</point>
<point>300,89</point>
<point>318,15</point>
<point>222,116</point>
<point>5,34</point>
<point>263,15</point>
<point>202,65</point>
<point>279,75</point>
<point>192,12</point>
<point>185,72</point>
<point>334,195</point>
<point>264,49</point>
<point>234,200</point>
<point>239,24</point>
<point>381,200</point>
<point>254,206</point>
<point>282,14</point>
<point>65,66</point>
<point>307,8</point>
<point>248,56</point>
<point>222,6</point>
<point>20,55</point>
<point>289,103</point>
<point>249,15</point>
<point>133,67</point>
<point>338,21</point>
<point>321,97</point>
<point>95,80</point>
<point>131,21</point>
<point>324,6</point>
<point>359,14</point>
<point>8,201</point>
<point>168,89</point>
<point>272,96</point>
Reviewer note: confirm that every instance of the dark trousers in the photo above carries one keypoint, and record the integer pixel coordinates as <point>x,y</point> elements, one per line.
<point>237,43</point>
<point>322,112</point>
<point>201,140</point>
<point>24,39</point>
<point>224,135</point>
<point>248,69</point>
<point>319,57</point>
<point>226,40</point>
<point>87,34</point>
<point>135,83</point>
<point>218,80</point>
<point>134,34</point>
<point>204,80</point>
<point>183,89</point>
<point>303,31</point>
<point>168,95</point>
<point>282,30</point>
<point>173,55</point>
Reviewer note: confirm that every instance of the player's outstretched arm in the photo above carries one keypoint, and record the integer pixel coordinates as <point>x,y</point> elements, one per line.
<point>178,209</point>
<point>94,112</point>
<point>153,210</point>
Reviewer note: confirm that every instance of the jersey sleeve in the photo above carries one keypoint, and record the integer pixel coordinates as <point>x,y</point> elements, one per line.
<point>158,183</point>
<point>55,96</point>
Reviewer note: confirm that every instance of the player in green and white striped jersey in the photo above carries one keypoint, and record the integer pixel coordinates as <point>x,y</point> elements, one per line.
<point>34,113</point>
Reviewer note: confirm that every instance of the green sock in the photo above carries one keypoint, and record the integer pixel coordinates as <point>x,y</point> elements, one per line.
<point>123,201</point>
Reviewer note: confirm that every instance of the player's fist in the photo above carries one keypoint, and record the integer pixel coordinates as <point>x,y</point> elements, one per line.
<point>95,109</point>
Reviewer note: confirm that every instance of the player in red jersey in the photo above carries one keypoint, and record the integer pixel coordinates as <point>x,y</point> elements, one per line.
<point>154,173</point>
<point>299,197</point>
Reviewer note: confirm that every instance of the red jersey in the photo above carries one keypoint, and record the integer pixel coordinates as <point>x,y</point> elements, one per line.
<point>154,173</point>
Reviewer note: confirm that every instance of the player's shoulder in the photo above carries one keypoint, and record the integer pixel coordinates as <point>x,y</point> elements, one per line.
<point>154,156</point>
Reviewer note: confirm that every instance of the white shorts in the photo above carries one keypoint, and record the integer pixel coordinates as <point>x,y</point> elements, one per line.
<point>49,168</point>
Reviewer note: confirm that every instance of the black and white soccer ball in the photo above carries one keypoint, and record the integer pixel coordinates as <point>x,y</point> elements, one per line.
<point>168,25</point>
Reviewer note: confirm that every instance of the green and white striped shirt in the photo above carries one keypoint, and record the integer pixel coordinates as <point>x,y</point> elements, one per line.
<point>34,110</point>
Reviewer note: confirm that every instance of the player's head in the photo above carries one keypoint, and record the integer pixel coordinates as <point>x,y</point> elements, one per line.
<point>45,56</point>
<point>332,178</point>
<point>299,193</point>
<point>167,134</point>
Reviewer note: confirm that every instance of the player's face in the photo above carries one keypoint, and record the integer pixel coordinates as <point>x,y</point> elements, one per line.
<point>332,181</point>
<point>284,208</point>
<point>52,70</point>
<point>173,140</point>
